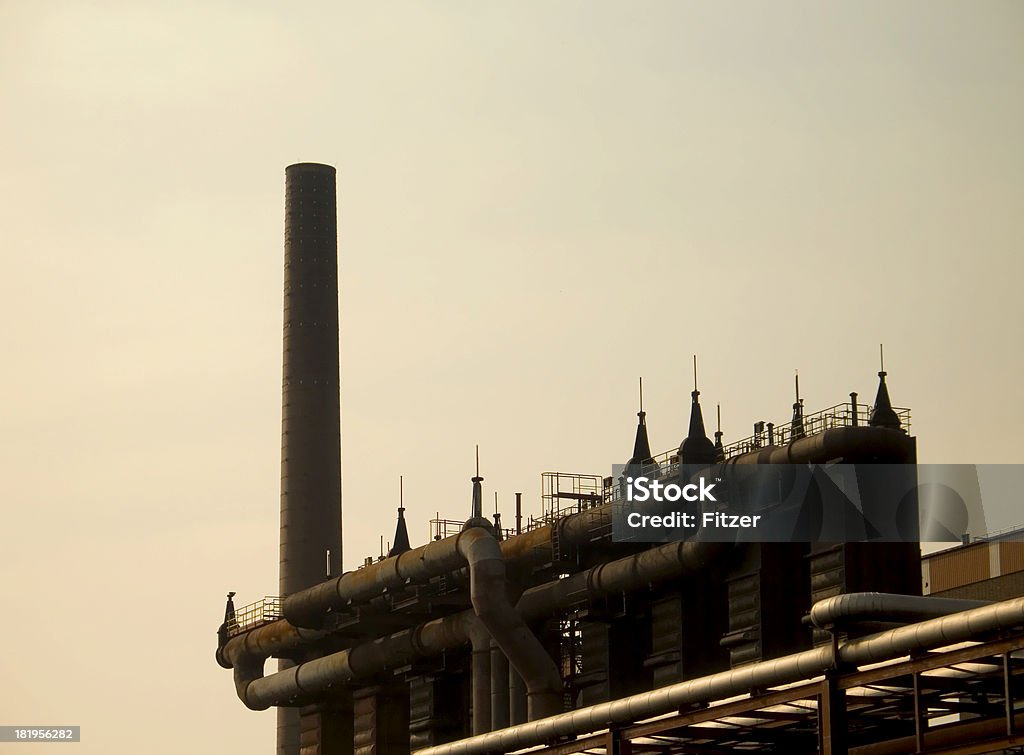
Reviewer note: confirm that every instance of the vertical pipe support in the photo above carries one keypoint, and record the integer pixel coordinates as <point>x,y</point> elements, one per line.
<point>832,717</point>
<point>517,698</point>
<point>919,713</point>
<point>1011,712</point>
<point>480,640</point>
<point>499,689</point>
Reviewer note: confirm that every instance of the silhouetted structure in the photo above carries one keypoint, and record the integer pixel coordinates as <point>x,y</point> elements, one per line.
<point>499,643</point>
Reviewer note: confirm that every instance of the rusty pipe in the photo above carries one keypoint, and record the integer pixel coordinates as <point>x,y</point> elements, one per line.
<point>308,608</point>
<point>298,684</point>
<point>489,594</point>
<point>648,567</point>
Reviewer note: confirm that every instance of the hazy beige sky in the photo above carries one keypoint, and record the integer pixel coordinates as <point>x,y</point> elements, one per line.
<point>539,202</point>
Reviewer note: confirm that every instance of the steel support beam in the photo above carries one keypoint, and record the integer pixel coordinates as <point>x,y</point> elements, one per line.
<point>832,718</point>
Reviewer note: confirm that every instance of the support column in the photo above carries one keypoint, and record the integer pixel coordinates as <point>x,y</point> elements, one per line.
<point>499,689</point>
<point>481,675</point>
<point>832,718</point>
<point>517,707</point>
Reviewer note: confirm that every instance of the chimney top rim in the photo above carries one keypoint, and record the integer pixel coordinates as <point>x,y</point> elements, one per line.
<point>311,167</point>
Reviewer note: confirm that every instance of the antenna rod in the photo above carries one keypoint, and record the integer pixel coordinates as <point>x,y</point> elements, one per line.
<point>881,358</point>
<point>719,418</point>
<point>695,372</point>
<point>797,376</point>
<point>477,459</point>
<point>641,395</point>
<point>495,501</point>
<point>401,493</point>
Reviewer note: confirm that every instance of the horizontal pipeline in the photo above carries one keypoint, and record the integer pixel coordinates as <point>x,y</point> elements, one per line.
<point>888,645</point>
<point>879,606</point>
<point>247,653</point>
<point>309,607</point>
<point>629,573</point>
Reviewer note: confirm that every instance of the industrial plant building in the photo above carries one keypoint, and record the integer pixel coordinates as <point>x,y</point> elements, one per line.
<point>548,636</point>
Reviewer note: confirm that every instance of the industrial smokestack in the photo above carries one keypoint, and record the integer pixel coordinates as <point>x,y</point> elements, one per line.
<point>311,423</point>
<point>311,426</point>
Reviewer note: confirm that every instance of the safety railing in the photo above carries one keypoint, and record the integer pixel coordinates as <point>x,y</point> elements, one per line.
<point>564,493</point>
<point>783,433</point>
<point>255,615</point>
<point>442,528</point>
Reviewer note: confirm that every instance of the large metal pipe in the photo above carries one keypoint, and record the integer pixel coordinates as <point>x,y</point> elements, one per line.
<point>277,638</point>
<point>488,594</point>
<point>304,682</point>
<point>308,608</point>
<point>622,575</point>
<point>652,566</point>
<point>649,567</point>
<point>248,652</point>
<point>830,444</point>
<point>881,606</point>
<point>894,643</point>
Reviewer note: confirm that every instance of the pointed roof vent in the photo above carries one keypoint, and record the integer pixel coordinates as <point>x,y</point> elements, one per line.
<point>476,515</point>
<point>641,446</point>
<point>882,414</point>
<point>401,541</point>
<point>229,609</point>
<point>226,629</point>
<point>797,427</point>
<point>719,448</point>
<point>696,447</point>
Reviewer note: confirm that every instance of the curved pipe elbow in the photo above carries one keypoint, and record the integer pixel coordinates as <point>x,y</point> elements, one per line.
<point>222,660</point>
<point>880,606</point>
<point>488,594</point>
<point>243,681</point>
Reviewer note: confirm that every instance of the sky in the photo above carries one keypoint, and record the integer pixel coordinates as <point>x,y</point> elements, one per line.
<point>538,204</point>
